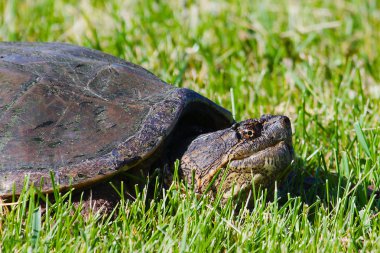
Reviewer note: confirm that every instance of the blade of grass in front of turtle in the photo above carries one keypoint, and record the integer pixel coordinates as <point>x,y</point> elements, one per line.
<point>55,189</point>
<point>256,196</point>
<point>33,219</point>
<point>219,192</point>
<point>24,196</point>
<point>137,191</point>
<point>36,226</point>
<point>176,171</point>
<point>156,191</point>
<point>119,192</point>
<point>208,188</point>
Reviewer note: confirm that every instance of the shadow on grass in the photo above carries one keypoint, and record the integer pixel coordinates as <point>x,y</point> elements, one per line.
<point>327,187</point>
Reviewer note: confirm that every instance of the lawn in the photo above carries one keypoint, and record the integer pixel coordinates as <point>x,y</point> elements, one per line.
<point>317,62</point>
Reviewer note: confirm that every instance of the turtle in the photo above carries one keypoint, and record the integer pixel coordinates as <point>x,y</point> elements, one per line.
<point>73,117</point>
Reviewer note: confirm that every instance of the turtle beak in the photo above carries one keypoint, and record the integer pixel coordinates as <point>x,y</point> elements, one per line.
<point>277,128</point>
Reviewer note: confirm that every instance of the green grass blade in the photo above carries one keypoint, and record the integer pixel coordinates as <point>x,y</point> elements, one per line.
<point>362,140</point>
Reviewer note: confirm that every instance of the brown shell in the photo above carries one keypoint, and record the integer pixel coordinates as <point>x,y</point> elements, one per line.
<point>80,115</point>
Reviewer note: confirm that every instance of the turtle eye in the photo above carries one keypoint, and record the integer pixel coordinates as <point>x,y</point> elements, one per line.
<point>247,134</point>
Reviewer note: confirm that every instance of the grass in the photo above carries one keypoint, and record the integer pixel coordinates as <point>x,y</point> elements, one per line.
<point>317,62</point>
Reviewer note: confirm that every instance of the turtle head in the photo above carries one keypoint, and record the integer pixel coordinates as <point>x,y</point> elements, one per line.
<point>253,152</point>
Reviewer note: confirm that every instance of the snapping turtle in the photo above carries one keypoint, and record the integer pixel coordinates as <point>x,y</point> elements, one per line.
<point>82,116</point>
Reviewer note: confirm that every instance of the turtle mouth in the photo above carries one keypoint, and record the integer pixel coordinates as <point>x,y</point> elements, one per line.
<point>269,162</point>
<point>259,170</point>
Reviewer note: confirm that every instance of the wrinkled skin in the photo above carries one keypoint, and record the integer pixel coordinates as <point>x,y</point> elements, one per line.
<point>258,150</point>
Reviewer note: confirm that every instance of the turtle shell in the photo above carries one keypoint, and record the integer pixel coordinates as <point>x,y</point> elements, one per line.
<point>75,116</point>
